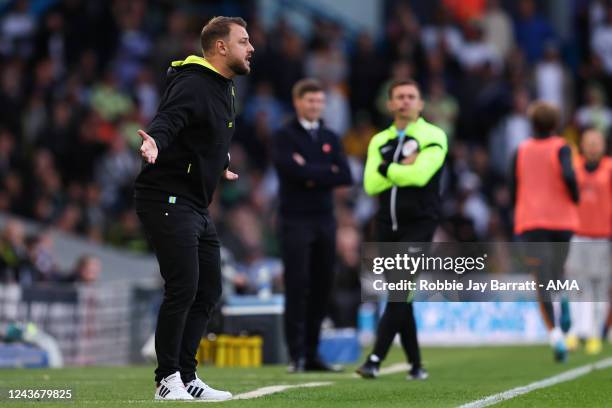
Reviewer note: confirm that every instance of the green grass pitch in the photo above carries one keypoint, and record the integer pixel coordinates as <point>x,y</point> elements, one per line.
<point>457,376</point>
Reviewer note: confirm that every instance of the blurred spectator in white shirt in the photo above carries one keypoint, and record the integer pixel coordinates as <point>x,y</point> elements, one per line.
<point>595,113</point>
<point>601,41</point>
<point>442,33</point>
<point>511,131</point>
<point>475,51</point>
<point>498,29</point>
<point>552,81</point>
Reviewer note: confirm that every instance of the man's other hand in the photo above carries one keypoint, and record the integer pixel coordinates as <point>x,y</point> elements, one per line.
<point>148,149</point>
<point>230,175</point>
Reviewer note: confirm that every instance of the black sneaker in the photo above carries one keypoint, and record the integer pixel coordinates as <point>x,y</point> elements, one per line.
<point>319,365</point>
<point>417,374</point>
<point>369,369</point>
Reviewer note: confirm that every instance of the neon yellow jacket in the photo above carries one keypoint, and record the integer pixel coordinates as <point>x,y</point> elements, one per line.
<point>417,183</point>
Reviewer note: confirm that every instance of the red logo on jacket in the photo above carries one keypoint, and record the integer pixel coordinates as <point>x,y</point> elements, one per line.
<point>326,148</point>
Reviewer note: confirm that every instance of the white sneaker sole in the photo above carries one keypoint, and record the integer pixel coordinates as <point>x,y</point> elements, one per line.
<point>158,398</point>
<point>213,398</point>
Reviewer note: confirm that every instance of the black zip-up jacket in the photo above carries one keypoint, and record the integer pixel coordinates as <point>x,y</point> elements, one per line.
<point>193,128</point>
<point>307,190</point>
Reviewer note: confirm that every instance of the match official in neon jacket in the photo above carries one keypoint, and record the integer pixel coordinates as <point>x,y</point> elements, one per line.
<point>403,169</point>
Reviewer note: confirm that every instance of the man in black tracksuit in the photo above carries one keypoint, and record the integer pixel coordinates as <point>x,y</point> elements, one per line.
<point>186,153</point>
<point>310,163</point>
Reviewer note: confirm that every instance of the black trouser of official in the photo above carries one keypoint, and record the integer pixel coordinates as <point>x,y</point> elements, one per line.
<point>549,264</point>
<point>398,317</point>
<point>308,247</point>
<point>188,251</point>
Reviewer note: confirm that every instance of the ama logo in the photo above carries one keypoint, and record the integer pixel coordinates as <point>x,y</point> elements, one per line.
<point>557,285</point>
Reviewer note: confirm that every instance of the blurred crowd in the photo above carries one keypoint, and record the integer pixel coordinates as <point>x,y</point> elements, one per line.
<point>29,258</point>
<point>78,78</point>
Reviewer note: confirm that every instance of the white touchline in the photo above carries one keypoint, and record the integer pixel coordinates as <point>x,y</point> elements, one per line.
<point>273,389</point>
<point>547,382</point>
<point>392,369</point>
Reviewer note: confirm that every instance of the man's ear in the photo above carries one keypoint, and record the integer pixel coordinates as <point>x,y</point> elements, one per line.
<point>389,108</point>
<point>221,47</point>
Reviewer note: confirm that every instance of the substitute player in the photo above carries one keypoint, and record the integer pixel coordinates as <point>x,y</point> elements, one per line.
<point>589,257</point>
<point>186,153</point>
<point>546,194</point>
<point>403,169</point>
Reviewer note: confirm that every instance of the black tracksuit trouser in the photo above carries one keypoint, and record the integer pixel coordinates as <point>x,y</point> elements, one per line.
<point>549,264</point>
<point>188,251</point>
<point>398,317</point>
<point>308,247</point>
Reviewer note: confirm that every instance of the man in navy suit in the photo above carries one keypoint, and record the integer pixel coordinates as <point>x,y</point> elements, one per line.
<point>310,163</point>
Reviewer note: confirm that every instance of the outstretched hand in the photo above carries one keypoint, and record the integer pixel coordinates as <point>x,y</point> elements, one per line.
<point>230,175</point>
<point>148,149</point>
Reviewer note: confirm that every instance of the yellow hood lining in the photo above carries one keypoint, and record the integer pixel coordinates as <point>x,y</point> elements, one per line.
<point>194,59</point>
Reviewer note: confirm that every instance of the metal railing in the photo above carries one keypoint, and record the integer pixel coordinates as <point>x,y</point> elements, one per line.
<point>93,325</point>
